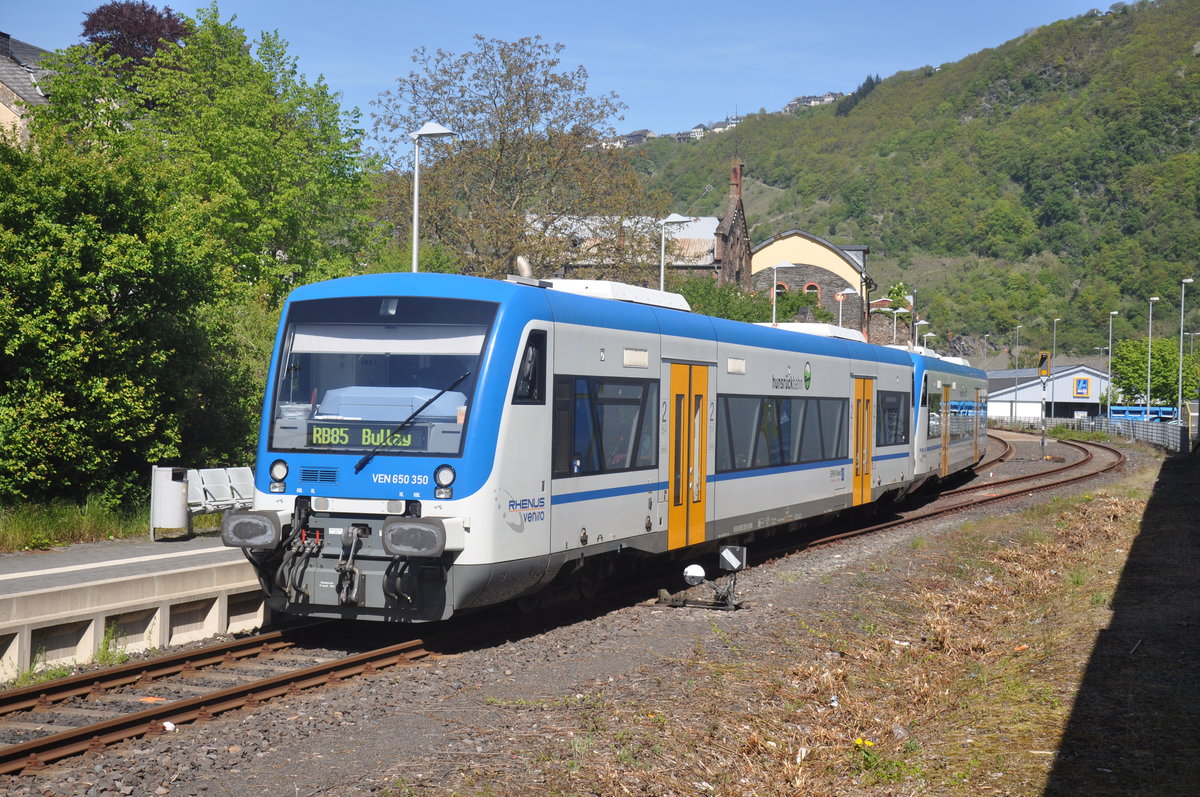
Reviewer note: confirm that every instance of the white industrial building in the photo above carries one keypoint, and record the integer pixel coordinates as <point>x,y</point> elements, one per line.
<point>1072,391</point>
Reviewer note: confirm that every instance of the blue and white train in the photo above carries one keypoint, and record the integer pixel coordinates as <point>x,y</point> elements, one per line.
<point>433,443</point>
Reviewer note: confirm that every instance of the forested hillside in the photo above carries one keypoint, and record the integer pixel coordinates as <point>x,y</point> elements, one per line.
<point>1055,176</point>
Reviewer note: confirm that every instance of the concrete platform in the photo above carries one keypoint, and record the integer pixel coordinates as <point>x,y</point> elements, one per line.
<point>56,606</point>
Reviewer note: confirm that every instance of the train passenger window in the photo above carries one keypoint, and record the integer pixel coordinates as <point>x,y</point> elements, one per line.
<point>934,396</point>
<point>737,420</point>
<point>604,425</point>
<point>892,418</point>
<point>647,448</point>
<point>531,370</point>
<point>835,415</point>
<point>811,448</point>
<point>763,432</point>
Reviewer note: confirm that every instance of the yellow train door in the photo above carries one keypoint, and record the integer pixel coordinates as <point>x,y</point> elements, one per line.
<point>687,490</point>
<point>948,428</point>
<point>975,423</point>
<point>864,427</point>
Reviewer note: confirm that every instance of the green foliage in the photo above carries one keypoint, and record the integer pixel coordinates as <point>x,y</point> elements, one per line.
<point>847,103</point>
<point>1055,175</point>
<point>97,311</point>
<point>1129,372</point>
<point>146,238</point>
<point>707,297</point>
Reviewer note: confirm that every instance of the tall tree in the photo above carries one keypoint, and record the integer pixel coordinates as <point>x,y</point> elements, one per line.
<point>133,29</point>
<point>146,239</point>
<point>526,174</point>
<point>1129,364</point>
<point>100,281</point>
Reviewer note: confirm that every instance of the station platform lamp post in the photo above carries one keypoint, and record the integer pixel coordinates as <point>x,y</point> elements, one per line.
<point>1149,350</point>
<point>895,311</point>
<point>914,328</point>
<point>775,285</point>
<point>1053,357</point>
<point>428,130</point>
<point>1179,397</point>
<point>1111,315</point>
<point>674,218</point>
<point>841,300</point>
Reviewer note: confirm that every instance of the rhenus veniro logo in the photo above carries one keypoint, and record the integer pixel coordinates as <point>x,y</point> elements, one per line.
<point>531,510</point>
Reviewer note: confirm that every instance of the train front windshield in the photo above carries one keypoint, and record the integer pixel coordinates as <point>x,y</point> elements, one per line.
<point>352,370</point>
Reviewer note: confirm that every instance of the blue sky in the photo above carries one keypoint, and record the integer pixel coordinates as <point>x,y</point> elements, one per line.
<point>675,64</point>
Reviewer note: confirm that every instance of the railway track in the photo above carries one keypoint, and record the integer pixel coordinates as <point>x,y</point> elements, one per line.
<point>47,722</point>
<point>85,713</point>
<point>976,494</point>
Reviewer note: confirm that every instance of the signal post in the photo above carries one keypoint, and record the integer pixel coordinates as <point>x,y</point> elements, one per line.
<point>1044,372</point>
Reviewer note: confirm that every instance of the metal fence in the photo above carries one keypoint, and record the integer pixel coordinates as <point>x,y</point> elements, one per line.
<point>1172,437</point>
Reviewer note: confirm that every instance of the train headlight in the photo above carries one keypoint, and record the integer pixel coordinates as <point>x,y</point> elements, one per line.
<point>443,477</point>
<point>278,472</point>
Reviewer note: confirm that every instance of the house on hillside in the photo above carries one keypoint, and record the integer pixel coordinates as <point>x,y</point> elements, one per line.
<point>20,79</point>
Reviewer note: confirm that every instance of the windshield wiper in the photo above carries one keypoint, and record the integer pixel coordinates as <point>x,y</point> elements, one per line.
<point>366,460</point>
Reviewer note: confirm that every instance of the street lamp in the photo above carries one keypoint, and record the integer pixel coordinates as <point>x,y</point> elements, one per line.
<point>1179,397</point>
<point>925,339</point>
<point>1053,355</point>
<point>1017,345</point>
<point>1111,315</point>
<point>895,311</point>
<point>913,330</point>
<point>1149,349</point>
<point>841,300</point>
<point>774,284</point>
<point>428,130</point>
<point>674,218</point>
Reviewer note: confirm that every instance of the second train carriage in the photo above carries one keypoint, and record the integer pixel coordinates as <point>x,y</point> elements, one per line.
<point>432,443</point>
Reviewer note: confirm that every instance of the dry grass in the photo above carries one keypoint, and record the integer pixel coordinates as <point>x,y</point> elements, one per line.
<point>946,668</point>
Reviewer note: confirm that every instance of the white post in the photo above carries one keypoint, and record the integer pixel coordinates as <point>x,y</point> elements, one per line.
<point>1179,397</point>
<point>416,196</point>
<point>428,130</point>
<point>1111,313</point>
<point>1149,349</point>
<point>1053,355</point>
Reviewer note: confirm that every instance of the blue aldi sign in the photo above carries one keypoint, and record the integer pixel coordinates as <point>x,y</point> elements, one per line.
<point>1083,387</point>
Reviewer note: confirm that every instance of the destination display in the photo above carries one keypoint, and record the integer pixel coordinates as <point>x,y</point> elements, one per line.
<point>345,434</point>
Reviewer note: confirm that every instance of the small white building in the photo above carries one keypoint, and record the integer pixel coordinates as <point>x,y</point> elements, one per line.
<point>1072,389</point>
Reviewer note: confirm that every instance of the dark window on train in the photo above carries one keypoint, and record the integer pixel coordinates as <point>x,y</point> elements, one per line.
<point>604,425</point>
<point>934,429</point>
<point>891,422</point>
<point>531,370</point>
<point>768,431</point>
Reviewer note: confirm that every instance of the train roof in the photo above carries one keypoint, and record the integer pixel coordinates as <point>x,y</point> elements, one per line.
<point>604,304</point>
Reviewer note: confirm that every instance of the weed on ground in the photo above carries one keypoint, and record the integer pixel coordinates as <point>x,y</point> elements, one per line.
<point>948,666</point>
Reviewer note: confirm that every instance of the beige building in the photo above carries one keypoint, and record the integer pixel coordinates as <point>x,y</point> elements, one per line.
<point>19,79</point>
<point>800,261</point>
